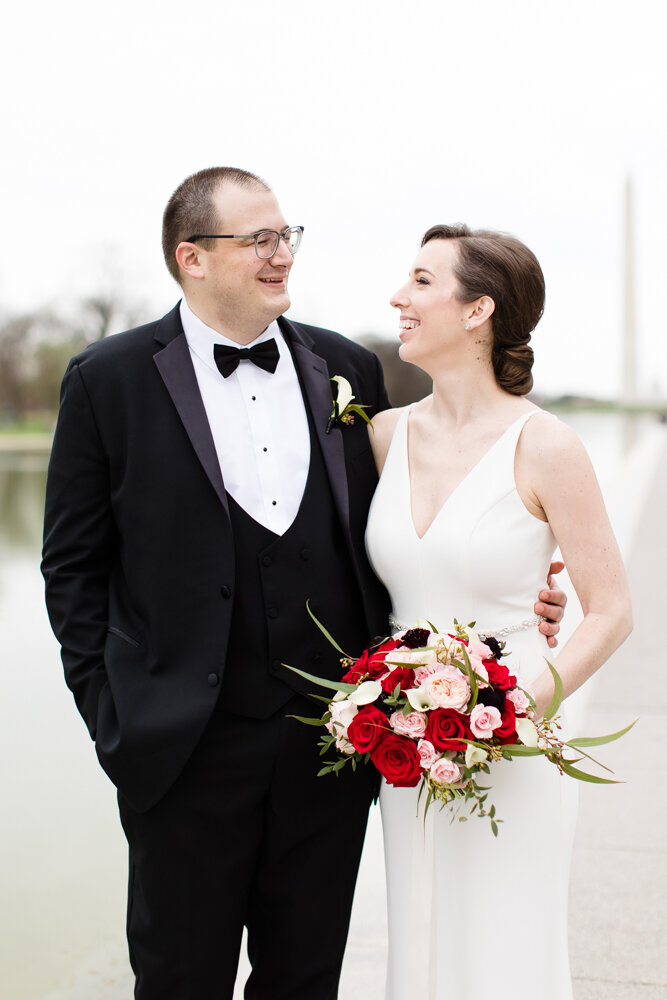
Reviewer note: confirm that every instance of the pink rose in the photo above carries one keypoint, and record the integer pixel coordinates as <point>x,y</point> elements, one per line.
<point>519,699</point>
<point>421,673</point>
<point>342,713</point>
<point>448,688</point>
<point>477,653</point>
<point>410,657</point>
<point>483,720</point>
<point>427,754</point>
<point>413,724</point>
<point>445,772</point>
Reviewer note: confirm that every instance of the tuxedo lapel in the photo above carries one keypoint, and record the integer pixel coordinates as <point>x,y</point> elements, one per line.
<point>317,388</point>
<point>175,366</point>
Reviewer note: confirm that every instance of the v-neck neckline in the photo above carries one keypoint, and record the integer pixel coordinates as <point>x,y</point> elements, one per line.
<point>460,484</point>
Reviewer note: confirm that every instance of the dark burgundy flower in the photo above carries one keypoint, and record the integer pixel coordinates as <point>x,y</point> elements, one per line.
<point>494,646</point>
<point>415,638</point>
<point>489,696</point>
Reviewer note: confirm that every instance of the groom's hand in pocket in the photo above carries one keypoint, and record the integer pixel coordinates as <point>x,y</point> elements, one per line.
<point>551,605</point>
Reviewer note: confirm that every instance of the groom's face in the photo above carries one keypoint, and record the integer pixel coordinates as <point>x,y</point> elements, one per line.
<point>246,291</point>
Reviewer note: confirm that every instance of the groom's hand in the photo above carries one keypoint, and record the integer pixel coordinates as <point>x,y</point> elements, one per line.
<point>551,605</point>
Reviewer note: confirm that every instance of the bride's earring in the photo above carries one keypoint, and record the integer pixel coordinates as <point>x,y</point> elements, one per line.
<point>467,326</point>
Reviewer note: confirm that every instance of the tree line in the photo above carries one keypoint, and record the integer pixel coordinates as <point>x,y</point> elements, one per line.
<point>35,348</point>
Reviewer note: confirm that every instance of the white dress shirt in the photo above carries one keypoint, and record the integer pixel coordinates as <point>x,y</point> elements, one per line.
<point>259,425</point>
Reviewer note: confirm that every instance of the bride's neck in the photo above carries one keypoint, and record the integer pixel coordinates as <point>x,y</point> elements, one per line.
<point>462,397</point>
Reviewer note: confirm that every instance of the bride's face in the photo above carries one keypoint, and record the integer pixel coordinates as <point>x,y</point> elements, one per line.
<point>430,313</point>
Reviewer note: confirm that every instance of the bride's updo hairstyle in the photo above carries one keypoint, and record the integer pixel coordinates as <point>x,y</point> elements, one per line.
<point>500,266</point>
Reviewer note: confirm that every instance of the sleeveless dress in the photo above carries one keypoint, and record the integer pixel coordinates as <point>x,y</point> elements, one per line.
<point>470,915</point>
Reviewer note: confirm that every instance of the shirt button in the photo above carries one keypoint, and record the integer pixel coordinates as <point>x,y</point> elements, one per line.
<point>267,561</point>
<point>273,503</point>
<point>305,553</point>
<point>226,592</point>
<point>253,398</point>
<point>213,680</point>
<point>272,612</point>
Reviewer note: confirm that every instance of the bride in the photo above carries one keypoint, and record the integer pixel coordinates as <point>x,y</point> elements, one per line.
<point>478,486</point>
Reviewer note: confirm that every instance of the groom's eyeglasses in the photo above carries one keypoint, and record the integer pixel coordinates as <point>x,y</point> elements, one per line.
<point>266,242</point>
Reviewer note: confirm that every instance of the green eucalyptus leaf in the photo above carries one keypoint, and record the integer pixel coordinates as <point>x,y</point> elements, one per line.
<point>326,634</point>
<point>360,409</point>
<point>322,681</point>
<point>575,772</point>
<point>557,698</point>
<point>519,750</point>
<point>598,741</point>
<point>302,718</point>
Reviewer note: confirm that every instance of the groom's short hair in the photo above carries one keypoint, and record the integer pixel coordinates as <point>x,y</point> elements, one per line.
<point>190,209</point>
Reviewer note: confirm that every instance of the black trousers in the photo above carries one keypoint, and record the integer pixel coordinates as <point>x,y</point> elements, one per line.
<point>248,835</point>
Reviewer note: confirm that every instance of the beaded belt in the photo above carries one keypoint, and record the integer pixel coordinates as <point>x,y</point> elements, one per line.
<point>496,633</point>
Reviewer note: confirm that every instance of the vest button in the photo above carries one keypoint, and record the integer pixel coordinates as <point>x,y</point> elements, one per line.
<point>213,680</point>
<point>267,561</point>
<point>305,553</point>
<point>272,612</point>
<point>226,591</point>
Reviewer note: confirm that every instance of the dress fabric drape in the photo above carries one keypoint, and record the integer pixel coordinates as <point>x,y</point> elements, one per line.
<point>471,915</point>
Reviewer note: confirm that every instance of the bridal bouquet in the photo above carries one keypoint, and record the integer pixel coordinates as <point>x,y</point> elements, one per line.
<point>436,709</point>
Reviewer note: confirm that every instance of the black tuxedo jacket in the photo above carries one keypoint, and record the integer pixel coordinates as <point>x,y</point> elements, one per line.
<point>139,556</point>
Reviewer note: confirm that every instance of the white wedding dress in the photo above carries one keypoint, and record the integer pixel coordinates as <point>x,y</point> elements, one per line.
<point>473,916</point>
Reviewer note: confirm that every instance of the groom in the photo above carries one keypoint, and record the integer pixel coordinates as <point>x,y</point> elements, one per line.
<point>198,496</point>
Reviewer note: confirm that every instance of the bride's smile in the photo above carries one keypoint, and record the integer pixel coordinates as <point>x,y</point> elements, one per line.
<point>433,315</point>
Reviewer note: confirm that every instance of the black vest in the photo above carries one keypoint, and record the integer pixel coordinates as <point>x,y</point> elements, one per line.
<point>275,576</point>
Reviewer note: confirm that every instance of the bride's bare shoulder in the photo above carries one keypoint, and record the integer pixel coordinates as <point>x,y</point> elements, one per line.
<point>551,467</point>
<point>546,440</point>
<point>381,431</point>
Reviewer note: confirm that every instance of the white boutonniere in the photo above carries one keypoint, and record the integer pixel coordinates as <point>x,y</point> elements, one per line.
<point>344,409</point>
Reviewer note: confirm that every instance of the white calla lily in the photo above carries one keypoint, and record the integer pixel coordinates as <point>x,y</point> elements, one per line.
<point>419,699</point>
<point>366,693</point>
<point>344,395</point>
<point>526,732</point>
<point>474,755</point>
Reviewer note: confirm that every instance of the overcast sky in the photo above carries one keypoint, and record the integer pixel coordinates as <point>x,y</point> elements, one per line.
<point>371,121</point>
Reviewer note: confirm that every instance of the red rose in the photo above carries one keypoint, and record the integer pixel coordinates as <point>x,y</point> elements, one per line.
<point>400,675</point>
<point>370,663</point>
<point>499,675</point>
<point>354,674</point>
<point>376,665</point>
<point>445,729</point>
<point>367,728</point>
<point>506,731</point>
<point>397,760</point>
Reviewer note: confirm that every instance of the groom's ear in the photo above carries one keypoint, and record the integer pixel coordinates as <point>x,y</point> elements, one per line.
<point>188,258</point>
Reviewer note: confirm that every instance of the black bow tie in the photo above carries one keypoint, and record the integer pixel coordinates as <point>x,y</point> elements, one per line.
<point>264,355</point>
